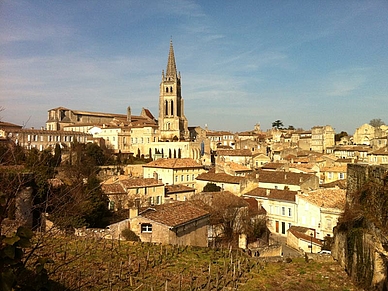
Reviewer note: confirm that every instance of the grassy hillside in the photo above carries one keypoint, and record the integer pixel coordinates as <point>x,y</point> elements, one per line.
<point>95,264</point>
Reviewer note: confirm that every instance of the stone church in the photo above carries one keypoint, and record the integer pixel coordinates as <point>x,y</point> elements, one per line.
<point>127,133</point>
<point>172,120</point>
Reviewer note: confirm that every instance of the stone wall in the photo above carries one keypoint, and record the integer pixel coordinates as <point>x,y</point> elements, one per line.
<point>361,236</point>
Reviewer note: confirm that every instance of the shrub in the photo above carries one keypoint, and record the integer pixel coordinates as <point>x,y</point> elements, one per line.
<point>129,235</point>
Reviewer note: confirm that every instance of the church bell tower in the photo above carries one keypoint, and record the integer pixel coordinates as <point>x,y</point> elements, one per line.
<point>173,125</point>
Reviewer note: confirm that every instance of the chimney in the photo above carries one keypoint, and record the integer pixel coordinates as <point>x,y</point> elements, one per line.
<point>133,212</point>
<point>129,114</point>
<point>155,176</point>
<point>267,192</point>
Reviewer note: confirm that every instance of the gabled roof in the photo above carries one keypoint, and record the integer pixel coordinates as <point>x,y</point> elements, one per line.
<point>110,189</point>
<point>381,152</point>
<point>220,177</point>
<point>173,164</point>
<point>218,133</point>
<point>300,233</point>
<point>174,214</point>
<point>237,167</point>
<point>273,166</point>
<point>179,188</point>
<point>242,152</point>
<point>288,178</point>
<point>141,182</point>
<point>327,198</point>
<point>272,194</point>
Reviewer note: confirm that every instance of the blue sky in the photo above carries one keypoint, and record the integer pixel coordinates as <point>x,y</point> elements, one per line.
<point>304,62</point>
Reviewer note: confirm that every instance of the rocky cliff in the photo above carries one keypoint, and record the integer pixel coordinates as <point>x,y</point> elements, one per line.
<point>361,236</point>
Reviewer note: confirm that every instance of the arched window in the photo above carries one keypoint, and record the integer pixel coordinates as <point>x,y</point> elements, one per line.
<point>170,89</point>
<point>172,107</point>
<point>166,108</point>
<point>166,89</point>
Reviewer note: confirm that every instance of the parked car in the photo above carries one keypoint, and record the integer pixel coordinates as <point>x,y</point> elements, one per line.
<point>324,252</point>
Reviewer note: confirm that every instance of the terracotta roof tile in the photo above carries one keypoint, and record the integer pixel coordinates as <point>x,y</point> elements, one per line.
<point>242,152</point>
<point>272,194</point>
<point>113,189</point>
<point>170,189</point>
<point>281,177</point>
<point>327,198</point>
<point>140,182</point>
<point>174,214</point>
<point>173,163</point>
<point>220,177</point>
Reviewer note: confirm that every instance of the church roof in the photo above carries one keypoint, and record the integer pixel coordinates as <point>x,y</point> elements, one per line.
<point>171,66</point>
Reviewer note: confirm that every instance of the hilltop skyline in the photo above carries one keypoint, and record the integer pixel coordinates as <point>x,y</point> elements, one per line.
<point>303,62</point>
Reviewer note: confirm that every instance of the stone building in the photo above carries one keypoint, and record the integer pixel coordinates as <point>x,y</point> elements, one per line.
<point>322,137</point>
<point>173,125</point>
<point>177,223</point>
<point>142,134</point>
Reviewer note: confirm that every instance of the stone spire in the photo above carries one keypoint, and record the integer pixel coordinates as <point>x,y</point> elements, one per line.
<point>171,66</point>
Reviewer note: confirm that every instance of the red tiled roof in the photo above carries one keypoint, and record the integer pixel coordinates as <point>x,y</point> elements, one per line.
<point>382,151</point>
<point>243,152</point>
<point>301,235</point>
<point>140,182</point>
<point>171,189</point>
<point>173,163</point>
<point>218,133</point>
<point>220,177</point>
<point>174,214</point>
<point>326,197</point>
<point>279,177</point>
<point>272,194</point>
<point>112,189</point>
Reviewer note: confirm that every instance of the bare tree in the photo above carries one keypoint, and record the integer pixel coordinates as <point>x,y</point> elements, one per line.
<point>376,122</point>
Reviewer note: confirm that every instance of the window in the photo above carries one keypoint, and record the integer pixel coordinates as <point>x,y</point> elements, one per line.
<point>158,200</point>
<point>283,211</point>
<point>176,178</point>
<point>289,212</point>
<point>182,178</point>
<point>188,177</point>
<point>341,176</point>
<point>146,228</point>
<point>283,228</point>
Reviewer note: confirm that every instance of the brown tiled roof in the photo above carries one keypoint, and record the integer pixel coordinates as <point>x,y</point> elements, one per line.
<point>237,167</point>
<point>352,148</point>
<point>303,167</point>
<point>326,197</point>
<point>220,177</point>
<point>140,182</point>
<point>218,133</point>
<point>174,214</point>
<point>171,189</point>
<point>112,189</point>
<point>297,231</point>
<point>173,163</point>
<point>279,177</point>
<point>242,152</point>
<point>382,151</point>
<point>272,194</point>
<point>273,166</point>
